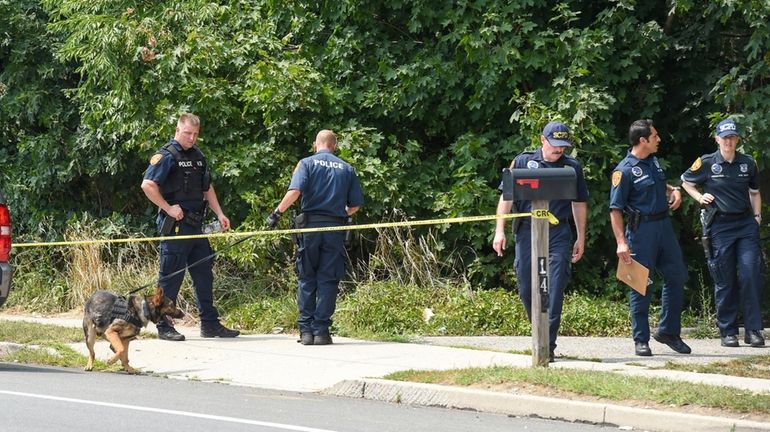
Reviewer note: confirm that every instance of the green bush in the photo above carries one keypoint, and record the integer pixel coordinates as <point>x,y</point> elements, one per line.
<point>587,316</point>
<point>384,308</point>
<point>266,314</point>
<point>486,312</point>
<point>388,309</point>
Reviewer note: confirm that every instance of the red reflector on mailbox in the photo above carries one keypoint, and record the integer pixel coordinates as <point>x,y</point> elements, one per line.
<point>539,184</point>
<point>533,183</point>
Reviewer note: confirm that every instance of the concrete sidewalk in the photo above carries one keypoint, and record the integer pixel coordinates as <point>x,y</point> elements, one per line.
<point>353,368</point>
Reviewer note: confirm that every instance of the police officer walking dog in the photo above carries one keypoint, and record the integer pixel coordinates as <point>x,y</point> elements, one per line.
<point>640,190</point>
<point>555,139</point>
<point>179,183</point>
<point>330,193</point>
<point>730,182</point>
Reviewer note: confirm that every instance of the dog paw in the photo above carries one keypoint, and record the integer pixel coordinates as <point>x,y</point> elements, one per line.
<point>131,371</point>
<point>88,368</point>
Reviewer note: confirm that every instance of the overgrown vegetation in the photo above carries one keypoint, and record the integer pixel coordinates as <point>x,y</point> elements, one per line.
<point>430,102</point>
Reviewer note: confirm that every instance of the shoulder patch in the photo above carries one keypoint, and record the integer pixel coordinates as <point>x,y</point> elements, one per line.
<point>696,165</point>
<point>155,158</point>
<point>616,177</point>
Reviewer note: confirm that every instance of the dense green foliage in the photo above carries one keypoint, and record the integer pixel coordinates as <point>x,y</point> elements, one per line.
<point>430,100</point>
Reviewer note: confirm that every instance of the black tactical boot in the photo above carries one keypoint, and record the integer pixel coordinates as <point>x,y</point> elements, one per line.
<point>169,333</point>
<point>754,338</point>
<point>642,349</point>
<point>323,339</point>
<point>216,329</point>
<point>306,338</point>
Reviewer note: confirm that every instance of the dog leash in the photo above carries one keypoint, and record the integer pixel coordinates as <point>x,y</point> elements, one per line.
<point>191,265</point>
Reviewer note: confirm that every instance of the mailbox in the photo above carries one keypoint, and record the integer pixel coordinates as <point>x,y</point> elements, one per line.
<point>539,184</point>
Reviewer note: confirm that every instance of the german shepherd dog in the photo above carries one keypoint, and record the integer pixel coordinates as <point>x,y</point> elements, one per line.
<point>119,320</point>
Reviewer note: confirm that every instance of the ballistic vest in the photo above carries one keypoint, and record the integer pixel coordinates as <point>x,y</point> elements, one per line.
<point>120,311</point>
<point>189,175</point>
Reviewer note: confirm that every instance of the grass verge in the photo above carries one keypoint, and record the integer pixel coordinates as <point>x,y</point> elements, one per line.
<point>608,386</point>
<point>757,366</point>
<point>44,345</point>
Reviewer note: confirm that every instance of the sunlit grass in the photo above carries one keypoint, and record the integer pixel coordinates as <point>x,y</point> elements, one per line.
<point>610,386</point>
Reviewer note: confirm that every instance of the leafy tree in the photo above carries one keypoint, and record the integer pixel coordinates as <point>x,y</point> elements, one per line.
<point>430,100</point>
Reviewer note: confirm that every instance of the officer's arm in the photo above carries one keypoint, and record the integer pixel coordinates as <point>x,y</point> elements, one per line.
<point>580,215</point>
<point>352,210</point>
<point>211,196</point>
<point>623,251</point>
<point>693,191</point>
<point>152,191</point>
<point>756,204</point>
<point>503,207</point>
<point>288,199</point>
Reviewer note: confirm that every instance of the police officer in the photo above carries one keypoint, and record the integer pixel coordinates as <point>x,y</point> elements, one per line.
<point>640,190</point>
<point>178,182</point>
<point>330,193</point>
<point>730,181</point>
<point>554,140</point>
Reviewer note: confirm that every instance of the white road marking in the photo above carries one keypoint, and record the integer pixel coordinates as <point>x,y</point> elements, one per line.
<point>173,412</point>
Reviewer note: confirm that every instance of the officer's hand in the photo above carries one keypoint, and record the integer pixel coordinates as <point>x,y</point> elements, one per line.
<point>624,253</point>
<point>675,199</point>
<point>498,244</point>
<point>273,219</point>
<point>577,250</point>
<point>706,199</point>
<point>176,212</point>
<point>224,221</point>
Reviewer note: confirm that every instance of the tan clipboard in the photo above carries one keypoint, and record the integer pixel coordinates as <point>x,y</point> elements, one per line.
<point>634,275</point>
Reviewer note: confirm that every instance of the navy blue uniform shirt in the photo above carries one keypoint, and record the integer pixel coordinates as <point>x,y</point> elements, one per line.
<point>729,182</point>
<point>639,184</point>
<point>562,209</point>
<point>327,184</point>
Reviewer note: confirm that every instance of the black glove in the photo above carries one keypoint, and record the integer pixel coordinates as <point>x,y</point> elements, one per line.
<point>272,220</point>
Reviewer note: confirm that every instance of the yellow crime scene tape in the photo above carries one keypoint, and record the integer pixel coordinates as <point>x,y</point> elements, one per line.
<point>537,214</point>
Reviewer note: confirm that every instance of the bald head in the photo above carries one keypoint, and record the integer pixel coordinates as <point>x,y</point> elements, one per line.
<point>325,140</point>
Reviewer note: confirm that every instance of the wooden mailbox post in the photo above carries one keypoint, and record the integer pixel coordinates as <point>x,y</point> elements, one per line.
<point>539,186</point>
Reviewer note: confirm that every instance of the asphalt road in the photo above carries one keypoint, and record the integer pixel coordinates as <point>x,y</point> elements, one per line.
<point>34,398</point>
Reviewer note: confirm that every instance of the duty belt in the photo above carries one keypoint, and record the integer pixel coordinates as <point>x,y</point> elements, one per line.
<point>561,221</point>
<point>654,217</point>
<point>312,218</point>
<point>732,216</point>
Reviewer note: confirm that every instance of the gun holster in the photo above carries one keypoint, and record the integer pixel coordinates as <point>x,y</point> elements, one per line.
<point>297,221</point>
<point>634,217</point>
<point>168,225</point>
<point>300,220</point>
<point>707,215</point>
<point>349,234</point>
<point>193,219</point>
